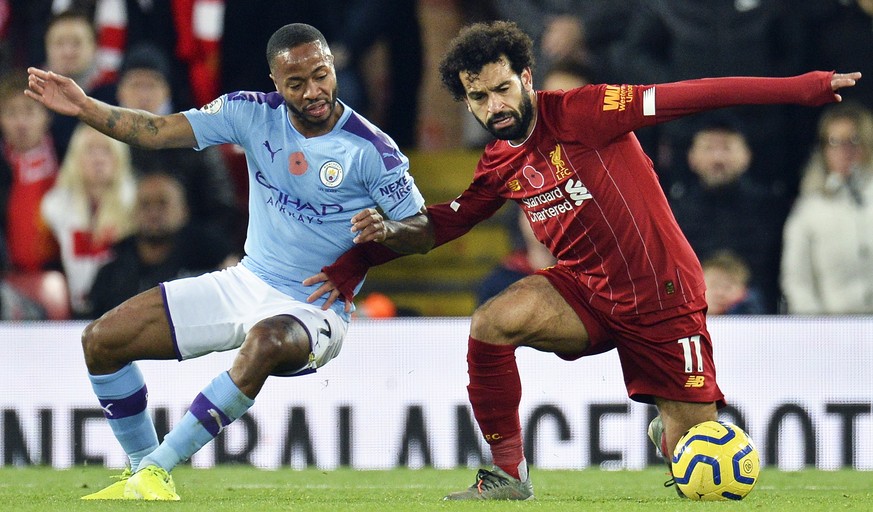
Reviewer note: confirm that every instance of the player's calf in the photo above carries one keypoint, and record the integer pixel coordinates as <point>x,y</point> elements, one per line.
<point>656,435</point>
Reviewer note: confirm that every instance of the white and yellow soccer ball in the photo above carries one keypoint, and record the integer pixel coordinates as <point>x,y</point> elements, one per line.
<point>716,460</point>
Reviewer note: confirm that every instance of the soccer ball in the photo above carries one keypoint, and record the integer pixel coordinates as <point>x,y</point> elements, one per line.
<point>715,460</point>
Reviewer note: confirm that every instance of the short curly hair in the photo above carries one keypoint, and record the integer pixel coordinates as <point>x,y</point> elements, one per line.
<point>480,44</point>
<point>291,36</point>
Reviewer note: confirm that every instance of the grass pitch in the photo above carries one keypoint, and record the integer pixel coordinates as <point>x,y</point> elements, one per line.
<point>311,490</point>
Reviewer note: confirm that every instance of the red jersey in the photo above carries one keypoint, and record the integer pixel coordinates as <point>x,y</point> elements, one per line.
<point>592,197</point>
<point>591,193</point>
<point>30,242</point>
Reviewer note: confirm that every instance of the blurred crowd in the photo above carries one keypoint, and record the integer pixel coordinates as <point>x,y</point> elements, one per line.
<point>777,201</point>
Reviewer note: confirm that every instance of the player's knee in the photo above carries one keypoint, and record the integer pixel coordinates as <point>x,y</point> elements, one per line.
<point>280,340</point>
<point>496,323</point>
<point>98,352</point>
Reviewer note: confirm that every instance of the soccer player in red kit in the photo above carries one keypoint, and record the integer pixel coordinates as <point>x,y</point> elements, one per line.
<point>626,277</point>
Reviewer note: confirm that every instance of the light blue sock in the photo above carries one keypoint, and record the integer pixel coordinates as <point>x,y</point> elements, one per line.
<point>216,407</point>
<point>123,396</point>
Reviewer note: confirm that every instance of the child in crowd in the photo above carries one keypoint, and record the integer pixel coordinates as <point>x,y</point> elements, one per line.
<point>728,292</point>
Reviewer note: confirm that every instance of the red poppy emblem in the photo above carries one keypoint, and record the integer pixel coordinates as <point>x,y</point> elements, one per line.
<point>297,164</point>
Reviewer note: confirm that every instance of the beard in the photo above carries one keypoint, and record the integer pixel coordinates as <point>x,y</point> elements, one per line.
<point>523,118</point>
<point>306,119</point>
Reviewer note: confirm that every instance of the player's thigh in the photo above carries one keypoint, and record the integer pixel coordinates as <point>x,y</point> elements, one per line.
<point>218,311</point>
<point>136,329</point>
<point>532,313</point>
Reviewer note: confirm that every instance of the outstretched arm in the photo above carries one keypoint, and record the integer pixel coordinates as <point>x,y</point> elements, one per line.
<point>813,89</point>
<point>135,127</point>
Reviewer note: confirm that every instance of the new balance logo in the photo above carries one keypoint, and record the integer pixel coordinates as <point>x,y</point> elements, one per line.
<point>695,381</point>
<point>217,418</point>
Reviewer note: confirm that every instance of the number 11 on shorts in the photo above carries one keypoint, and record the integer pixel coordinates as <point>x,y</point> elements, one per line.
<point>691,355</point>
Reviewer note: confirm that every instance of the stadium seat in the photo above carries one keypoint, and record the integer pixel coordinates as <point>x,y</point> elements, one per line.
<point>48,288</point>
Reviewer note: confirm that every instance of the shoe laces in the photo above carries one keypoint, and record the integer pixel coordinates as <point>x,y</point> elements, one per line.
<point>160,472</point>
<point>672,483</point>
<point>488,480</point>
<point>127,473</point>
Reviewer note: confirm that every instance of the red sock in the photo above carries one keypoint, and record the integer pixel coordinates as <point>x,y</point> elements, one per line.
<point>664,451</point>
<point>495,392</point>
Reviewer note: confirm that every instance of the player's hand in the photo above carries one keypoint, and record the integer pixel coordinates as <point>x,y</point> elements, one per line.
<point>841,80</point>
<point>326,288</point>
<point>369,226</point>
<point>57,92</point>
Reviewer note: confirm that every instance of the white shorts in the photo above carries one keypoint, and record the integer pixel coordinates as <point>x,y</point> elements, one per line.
<point>214,312</point>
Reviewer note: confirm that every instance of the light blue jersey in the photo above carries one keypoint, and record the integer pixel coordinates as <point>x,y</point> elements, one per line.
<point>303,191</point>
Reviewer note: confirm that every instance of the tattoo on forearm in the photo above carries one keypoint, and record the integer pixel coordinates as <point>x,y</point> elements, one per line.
<point>114,116</point>
<point>136,124</point>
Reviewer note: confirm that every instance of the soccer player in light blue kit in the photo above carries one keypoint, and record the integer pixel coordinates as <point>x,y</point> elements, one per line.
<point>313,163</point>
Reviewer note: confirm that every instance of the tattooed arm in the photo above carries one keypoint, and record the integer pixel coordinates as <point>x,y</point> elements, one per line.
<point>135,127</point>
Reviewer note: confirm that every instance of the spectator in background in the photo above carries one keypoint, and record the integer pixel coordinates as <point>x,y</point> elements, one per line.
<point>169,25</point>
<point>89,209</point>
<point>728,290</point>
<point>827,260</point>
<point>567,74</point>
<point>557,29</point>
<point>144,83</point>
<point>581,30</point>
<point>164,246</point>
<point>70,47</point>
<point>28,169</point>
<point>722,207</point>
<point>671,40</point>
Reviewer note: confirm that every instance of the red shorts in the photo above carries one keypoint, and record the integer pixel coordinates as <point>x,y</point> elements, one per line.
<point>666,354</point>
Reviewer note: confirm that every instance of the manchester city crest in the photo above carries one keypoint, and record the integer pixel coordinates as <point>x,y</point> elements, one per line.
<point>331,174</point>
